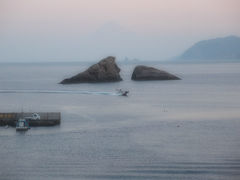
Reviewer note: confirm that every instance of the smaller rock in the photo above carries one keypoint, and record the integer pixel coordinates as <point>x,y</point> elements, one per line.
<point>144,73</point>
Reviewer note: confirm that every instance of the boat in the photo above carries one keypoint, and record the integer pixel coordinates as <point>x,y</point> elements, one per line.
<point>122,92</point>
<point>33,117</point>
<point>22,125</point>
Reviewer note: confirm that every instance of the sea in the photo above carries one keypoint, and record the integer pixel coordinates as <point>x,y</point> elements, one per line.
<point>185,129</point>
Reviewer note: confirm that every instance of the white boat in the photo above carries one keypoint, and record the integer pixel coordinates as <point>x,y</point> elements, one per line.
<point>22,125</point>
<point>122,92</point>
<point>34,116</point>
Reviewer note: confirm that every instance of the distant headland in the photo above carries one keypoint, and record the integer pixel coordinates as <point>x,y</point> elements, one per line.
<point>225,49</point>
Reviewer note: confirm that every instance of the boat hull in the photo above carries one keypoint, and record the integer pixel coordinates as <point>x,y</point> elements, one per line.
<point>22,128</point>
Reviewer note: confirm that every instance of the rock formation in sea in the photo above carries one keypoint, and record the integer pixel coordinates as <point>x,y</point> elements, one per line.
<point>143,73</point>
<point>105,70</point>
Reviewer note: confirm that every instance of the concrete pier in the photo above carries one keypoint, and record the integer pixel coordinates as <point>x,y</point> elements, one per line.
<point>46,118</point>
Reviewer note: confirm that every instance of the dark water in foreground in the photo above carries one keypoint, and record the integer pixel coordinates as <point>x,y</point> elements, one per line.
<point>186,129</point>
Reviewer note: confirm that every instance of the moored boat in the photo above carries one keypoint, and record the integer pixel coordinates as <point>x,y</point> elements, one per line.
<point>22,125</point>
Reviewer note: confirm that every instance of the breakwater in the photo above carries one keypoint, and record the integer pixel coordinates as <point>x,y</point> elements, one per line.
<point>45,118</point>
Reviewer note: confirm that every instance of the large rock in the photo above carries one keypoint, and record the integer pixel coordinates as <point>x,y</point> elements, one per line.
<point>104,71</point>
<point>142,73</point>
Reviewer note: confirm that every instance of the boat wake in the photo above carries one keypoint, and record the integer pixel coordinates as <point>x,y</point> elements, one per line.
<point>58,92</point>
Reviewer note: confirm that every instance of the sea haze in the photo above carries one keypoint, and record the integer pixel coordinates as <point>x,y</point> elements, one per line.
<point>185,129</point>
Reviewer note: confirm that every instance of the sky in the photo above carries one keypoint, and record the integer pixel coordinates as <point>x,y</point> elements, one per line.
<point>88,30</point>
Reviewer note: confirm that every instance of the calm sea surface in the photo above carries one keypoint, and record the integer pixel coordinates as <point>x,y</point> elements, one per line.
<point>188,129</point>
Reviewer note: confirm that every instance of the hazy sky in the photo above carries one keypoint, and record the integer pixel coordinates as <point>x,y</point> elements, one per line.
<point>71,30</point>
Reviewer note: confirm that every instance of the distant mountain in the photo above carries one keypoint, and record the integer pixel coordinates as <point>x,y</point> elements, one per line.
<point>219,49</point>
